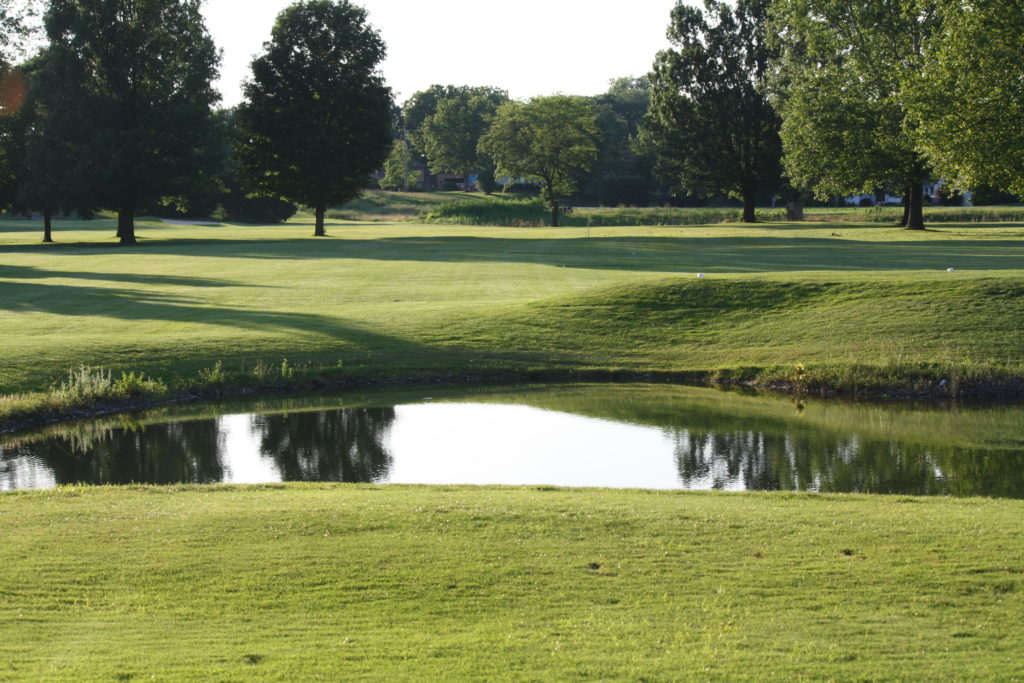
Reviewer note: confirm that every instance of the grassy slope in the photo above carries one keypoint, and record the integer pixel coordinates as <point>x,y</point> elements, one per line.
<point>402,298</point>
<point>329,582</point>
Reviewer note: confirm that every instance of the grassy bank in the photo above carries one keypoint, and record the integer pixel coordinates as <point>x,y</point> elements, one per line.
<point>329,582</point>
<point>218,307</point>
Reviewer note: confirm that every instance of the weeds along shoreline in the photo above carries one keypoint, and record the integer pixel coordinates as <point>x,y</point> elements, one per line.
<point>90,393</point>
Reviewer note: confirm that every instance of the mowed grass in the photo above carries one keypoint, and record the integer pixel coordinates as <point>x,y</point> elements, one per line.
<point>340,582</point>
<point>382,300</point>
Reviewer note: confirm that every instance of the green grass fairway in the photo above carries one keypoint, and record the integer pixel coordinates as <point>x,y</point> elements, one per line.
<point>386,299</point>
<point>340,582</point>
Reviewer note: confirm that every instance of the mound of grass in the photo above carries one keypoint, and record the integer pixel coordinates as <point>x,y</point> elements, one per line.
<point>408,300</point>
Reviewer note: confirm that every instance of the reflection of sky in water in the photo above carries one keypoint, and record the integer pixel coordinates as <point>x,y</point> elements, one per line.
<point>241,454</point>
<point>449,443</point>
<point>25,473</point>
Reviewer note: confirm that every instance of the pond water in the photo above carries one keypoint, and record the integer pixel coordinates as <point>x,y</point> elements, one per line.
<point>622,436</point>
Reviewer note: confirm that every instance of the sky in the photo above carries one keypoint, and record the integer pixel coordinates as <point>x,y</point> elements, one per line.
<point>528,47</point>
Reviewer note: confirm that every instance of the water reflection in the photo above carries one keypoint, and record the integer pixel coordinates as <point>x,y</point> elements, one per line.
<point>616,436</point>
<point>333,445</point>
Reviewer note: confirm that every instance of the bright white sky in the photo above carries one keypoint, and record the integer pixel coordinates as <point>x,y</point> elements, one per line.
<point>528,47</point>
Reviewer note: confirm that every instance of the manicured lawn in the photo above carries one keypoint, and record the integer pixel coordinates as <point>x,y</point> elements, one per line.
<point>389,299</point>
<point>331,582</point>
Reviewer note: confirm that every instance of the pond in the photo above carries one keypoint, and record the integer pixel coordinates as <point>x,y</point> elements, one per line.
<point>621,436</point>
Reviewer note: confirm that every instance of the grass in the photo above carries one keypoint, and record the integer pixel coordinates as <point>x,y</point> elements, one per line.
<point>324,582</point>
<point>383,300</point>
<point>328,582</point>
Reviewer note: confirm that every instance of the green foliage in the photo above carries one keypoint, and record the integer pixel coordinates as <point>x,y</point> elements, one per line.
<point>86,385</point>
<point>710,124</point>
<point>524,213</point>
<point>449,137</point>
<point>968,105</point>
<point>16,29</point>
<point>136,96</point>
<point>549,140</point>
<point>399,173</point>
<point>841,85</point>
<point>213,375</point>
<point>317,117</point>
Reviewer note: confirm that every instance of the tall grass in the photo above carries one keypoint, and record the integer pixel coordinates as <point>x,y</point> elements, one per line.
<point>532,213</point>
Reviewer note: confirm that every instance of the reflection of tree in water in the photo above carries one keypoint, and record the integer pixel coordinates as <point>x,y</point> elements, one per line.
<point>824,462</point>
<point>336,445</point>
<point>173,453</point>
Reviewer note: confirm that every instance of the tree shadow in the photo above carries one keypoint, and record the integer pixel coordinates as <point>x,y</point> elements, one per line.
<point>665,254</point>
<point>137,305</point>
<point>8,272</point>
<point>641,254</point>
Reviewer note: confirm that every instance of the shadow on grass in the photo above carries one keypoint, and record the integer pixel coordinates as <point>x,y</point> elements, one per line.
<point>632,253</point>
<point>127,304</point>
<point>8,272</point>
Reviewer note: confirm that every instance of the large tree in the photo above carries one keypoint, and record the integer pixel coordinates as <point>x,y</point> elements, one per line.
<point>548,140</point>
<point>710,123</point>
<point>969,105</point>
<point>317,117</point>
<point>141,72</point>
<point>45,154</point>
<point>841,80</point>
<point>450,136</point>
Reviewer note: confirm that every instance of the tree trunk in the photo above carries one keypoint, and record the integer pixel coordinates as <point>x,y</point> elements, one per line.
<point>915,217</point>
<point>906,209</point>
<point>749,215</point>
<point>554,214</point>
<point>47,225</point>
<point>320,232</point>
<point>126,225</point>
<point>795,208</point>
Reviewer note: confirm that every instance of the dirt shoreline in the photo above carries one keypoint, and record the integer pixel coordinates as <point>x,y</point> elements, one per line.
<point>1004,389</point>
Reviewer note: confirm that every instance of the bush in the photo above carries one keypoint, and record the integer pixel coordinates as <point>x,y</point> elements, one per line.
<point>237,208</point>
<point>523,213</point>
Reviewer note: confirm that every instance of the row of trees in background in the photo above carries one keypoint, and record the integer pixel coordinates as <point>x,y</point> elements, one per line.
<point>790,98</point>
<point>445,127</point>
<point>838,98</point>
<point>117,112</point>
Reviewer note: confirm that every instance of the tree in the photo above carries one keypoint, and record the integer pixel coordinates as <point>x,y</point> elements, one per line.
<point>968,106</point>
<point>317,117</point>
<point>16,27</point>
<point>450,137</point>
<point>399,173</point>
<point>141,73</point>
<point>623,172</point>
<point>710,123</point>
<point>548,140</point>
<point>841,78</point>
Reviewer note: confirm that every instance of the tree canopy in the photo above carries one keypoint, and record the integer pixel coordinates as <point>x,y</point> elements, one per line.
<point>138,106</point>
<point>548,140</point>
<point>841,79</point>
<point>316,121</point>
<point>710,123</point>
<point>451,135</point>
<point>968,108</point>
